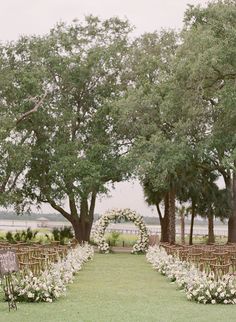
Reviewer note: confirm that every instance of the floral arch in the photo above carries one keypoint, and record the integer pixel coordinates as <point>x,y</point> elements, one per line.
<point>141,245</point>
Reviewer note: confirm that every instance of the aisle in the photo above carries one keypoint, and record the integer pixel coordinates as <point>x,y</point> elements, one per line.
<point>122,287</point>
<point>119,288</point>
<point>125,288</point>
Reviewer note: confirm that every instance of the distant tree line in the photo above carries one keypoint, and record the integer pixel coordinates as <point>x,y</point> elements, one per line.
<point>11,215</point>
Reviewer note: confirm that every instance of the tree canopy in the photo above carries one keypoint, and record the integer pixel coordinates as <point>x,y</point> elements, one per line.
<point>75,74</point>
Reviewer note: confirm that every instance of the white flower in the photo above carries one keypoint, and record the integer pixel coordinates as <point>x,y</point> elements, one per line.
<point>49,300</point>
<point>30,295</point>
<point>197,285</point>
<point>222,294</point>
<point>100,226</point>
<point>51,283</point>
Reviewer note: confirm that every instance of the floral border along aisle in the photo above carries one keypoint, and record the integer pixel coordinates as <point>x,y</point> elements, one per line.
<point>197,285</point>
<point>141,245</point>
<point>51,283</point>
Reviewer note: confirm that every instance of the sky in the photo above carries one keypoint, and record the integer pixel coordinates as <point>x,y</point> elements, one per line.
<point>27,17</point>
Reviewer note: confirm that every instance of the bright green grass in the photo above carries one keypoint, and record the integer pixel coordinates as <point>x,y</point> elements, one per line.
<point>120,288</point>
<point>202,239</point>
<point>123,239</point>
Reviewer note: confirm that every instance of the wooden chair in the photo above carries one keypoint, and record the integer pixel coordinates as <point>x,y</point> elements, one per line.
<point>194,258</point>
<point>220,269</point>
<point>183,254</point>
<point>23,257</point>
<point>34,267</point>
<point>222,257</point>
<point>206,262</point>
<point>233,263</point>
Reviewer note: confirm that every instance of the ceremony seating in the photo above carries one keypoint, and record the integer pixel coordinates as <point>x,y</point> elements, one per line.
<point>219,259</point>
<point>36,257</point>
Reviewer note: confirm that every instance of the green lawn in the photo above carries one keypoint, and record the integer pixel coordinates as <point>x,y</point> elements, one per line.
<point>119,288</point>
<point>126,240</point>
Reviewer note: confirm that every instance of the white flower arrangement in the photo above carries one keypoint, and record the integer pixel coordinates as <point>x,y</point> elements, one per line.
<point>198,286</point>
<point>140,246</point>
<point>51,284</point>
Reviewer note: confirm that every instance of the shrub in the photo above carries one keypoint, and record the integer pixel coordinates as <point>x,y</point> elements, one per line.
<point>113,238</point>
<point>24,236</point>
<point>62,234</point>
<point>9,237</point>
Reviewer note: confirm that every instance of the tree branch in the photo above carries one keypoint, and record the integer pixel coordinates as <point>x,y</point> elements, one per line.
<point>92,204</point>
<point>159,212</point>
<point>72,204</point>
<point>4,183</point>
<point>60,209</point>
<point>13,184</point>
<point>33,110</point>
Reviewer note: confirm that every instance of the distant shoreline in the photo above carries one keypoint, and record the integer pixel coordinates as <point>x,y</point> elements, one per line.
<point>56,217</point>
<point>13,225</point>
<point>30,217</point>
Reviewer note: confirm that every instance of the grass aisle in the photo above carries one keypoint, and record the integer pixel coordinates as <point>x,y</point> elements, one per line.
<point>120,288</point>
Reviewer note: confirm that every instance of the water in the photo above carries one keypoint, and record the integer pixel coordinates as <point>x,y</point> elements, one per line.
<point>13,225</point>
<point>129,228</point>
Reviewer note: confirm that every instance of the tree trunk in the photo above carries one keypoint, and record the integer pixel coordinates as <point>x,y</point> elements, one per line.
<point>182,227</point>
<point>211,235</point>
<point>82,225</point>
<point>232,218</point>
<point>76,226</point>
<point>84,230</point>
<point>232,229</point>
<point>164,229</point>
<point>172,216</point>
<point>191,224</point>
<point>164,220</point>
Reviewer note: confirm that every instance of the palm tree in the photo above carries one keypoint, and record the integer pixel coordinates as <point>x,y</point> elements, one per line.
<point>156,198</point>
<point>213,202</point>
<point>182,212</point>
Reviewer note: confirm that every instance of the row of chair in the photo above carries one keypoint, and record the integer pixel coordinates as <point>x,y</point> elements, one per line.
<point>37,257</point>
<point>219,259</point>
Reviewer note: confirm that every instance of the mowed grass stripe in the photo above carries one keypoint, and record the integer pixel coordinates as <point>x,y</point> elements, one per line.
<point>117,288</point>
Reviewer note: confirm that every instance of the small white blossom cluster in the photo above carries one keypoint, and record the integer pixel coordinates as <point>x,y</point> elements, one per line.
<point>198,286</point>
<point>116,214</point>
<point>51,284</point>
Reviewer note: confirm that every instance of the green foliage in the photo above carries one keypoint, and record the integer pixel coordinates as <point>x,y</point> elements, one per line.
<point>181,114</point>
<point>62,234</point>
<point>123,240</point>
<point>113,238</point>
<point>205,75</point>
<point>21,236</point>
<point>9,237</point>
<point>64,86</point>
